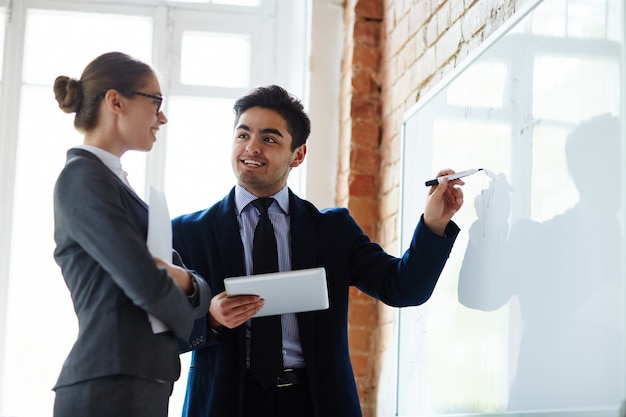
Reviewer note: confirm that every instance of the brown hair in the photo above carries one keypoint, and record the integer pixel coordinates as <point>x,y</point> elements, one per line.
<point>110,71</point>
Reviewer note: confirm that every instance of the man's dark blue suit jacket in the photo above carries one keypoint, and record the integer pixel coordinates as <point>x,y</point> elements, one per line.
<point>209,243</point>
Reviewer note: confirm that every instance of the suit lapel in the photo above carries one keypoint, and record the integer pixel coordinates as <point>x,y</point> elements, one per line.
<point>303,255</point>
<point>228,238</point>
<point>228,241</point>
<point>81,153</point>
<point>303,243</point>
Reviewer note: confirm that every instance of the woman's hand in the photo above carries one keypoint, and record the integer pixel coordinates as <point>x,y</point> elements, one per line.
<point>180,276</point>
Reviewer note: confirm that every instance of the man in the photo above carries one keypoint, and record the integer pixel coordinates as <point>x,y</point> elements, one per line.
<point>316,378</point>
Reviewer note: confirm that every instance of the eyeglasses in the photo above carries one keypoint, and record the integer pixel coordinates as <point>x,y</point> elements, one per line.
<point>157,100</point>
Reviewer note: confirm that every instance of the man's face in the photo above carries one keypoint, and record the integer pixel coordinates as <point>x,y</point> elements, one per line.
<point>262,156</point>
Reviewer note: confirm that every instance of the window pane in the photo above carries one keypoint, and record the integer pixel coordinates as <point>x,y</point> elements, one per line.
<point>52,47</point>
<point>198,169</point>
<point>35,279</point>
<point>251,3</point>
<point>239,2</point>
<point>2,20</point>
<point>217,59</point>
<point>44,135</point>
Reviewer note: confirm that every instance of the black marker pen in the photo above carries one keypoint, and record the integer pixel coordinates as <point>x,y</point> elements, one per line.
<point>453,176</point>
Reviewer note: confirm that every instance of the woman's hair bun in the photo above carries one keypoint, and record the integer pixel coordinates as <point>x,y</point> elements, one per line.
<point>68,93</point>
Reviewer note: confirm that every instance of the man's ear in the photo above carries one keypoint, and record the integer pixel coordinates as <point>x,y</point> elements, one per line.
<point>113,100</point>
<point>298,156</point>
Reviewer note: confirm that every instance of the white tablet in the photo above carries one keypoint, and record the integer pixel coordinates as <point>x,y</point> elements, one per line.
<point>284,292</point>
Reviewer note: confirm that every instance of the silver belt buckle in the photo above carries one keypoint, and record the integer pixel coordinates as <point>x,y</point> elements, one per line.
<point>288,384</point>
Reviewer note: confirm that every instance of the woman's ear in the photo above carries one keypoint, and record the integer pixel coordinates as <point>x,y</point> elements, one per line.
<point>113,101</point>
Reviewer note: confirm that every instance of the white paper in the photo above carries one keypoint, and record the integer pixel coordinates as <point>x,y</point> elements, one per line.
<point>159,239</point>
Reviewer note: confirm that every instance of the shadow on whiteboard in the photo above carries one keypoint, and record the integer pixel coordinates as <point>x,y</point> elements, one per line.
<point>566,274</point>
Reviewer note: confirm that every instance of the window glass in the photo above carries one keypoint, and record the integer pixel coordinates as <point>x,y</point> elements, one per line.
<point>239,2</point>
<point>215,59</point>
<point>34,278</point>
<point>3,277</point>
<point>52,46</point>
<point>196,179</point>
<point>2,20</point>
<point>250,3</point>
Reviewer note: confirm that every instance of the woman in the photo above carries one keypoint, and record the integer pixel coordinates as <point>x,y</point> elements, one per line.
<point>119,365</point>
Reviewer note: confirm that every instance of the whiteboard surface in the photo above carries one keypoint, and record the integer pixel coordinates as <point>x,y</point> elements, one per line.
<point>529,314</point>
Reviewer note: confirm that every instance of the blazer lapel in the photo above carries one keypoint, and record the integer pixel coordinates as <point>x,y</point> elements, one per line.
<point>303,255</point>
<point>303,243</point>
<point>81,153</point>
<point>228,241</point>
<point>228,238</point>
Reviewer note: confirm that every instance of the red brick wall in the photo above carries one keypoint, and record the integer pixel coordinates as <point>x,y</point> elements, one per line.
<point>359,168</point>
<point>395,51</point>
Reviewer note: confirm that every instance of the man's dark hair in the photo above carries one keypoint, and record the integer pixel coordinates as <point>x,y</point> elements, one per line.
<point>278,99</point>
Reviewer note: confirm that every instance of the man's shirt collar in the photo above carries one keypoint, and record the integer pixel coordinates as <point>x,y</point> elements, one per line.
<point>243,197</point>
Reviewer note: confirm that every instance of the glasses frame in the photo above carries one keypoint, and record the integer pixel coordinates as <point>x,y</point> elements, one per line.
<point>158,99</point>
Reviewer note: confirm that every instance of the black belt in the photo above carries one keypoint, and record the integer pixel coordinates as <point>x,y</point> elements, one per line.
<point>289,377</point>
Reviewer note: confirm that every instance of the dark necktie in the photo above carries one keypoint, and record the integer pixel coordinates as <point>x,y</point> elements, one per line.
<point>266,357</point>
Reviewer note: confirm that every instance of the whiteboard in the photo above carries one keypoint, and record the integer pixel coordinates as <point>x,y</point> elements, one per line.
<point>528,317</point>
